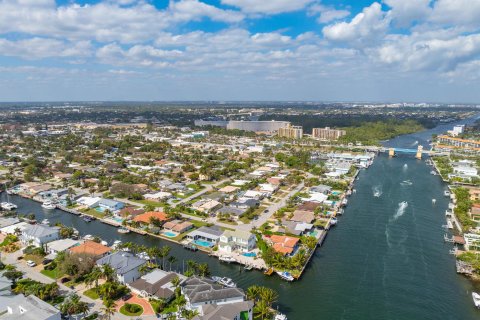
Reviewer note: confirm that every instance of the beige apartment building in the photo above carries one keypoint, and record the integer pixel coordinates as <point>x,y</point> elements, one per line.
<point>292,132</point>
<point>327,133</point>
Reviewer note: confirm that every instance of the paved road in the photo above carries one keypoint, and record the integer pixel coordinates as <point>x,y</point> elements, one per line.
<point>268,212</point>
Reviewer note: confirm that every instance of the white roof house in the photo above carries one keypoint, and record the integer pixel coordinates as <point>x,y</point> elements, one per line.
<point>158,196</point>
<point>27,308</point>
<point>61,245</point>
<point>11,228</point>
<point>88,201</point>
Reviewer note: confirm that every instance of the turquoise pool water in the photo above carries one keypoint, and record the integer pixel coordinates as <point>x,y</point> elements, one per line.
<point>202,243</point>
<point>249,254</point>
<point>313,233</point>
<point>169,234</point>
<point>336,193</point>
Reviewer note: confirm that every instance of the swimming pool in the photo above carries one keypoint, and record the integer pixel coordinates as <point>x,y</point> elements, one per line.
<point>202,243</point>
<point>249,254</point>
<point>313,233</point>
<point>169,234</point>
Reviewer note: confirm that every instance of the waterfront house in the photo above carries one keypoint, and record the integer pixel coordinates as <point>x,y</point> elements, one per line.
<point>472,241</point>
<point>237,311</point>
<point>208,234</point>
<point>283,244</point>
<point>27,308</point>
<point>89,202</point>
<point>61,245</point>
<point>178,226</point>
<point>147,217</point>
<point>125,264</point>
<point>240,240</point>
<point>156,285</point>
<point>93,248</point>
<point>199,292</point>
<point>15,228</point>
<point>302,216</point>
<point>39,234</point>
<point>110,205</point>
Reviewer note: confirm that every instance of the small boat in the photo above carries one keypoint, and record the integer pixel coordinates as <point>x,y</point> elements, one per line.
<point>433,173</point>
<point>49,205</point>
<point>447,239</point>
<point>285,275</point>
<point>45,222</point>
<point>476,299</point>
<point>104,243</point>
<point>8,206</point>
<point>123,230</point>
<point>227,259</point>
<point>434,201</point>
<point>190,246</point>
<point>449,224</point>
<point>227,282</point>
<point>248,267</point>
<point>446,193</point>
<point>116,244</point>
<point>280,316</point>
<point>87,219</point>
<point>88,237</point>
<point>333,221</point>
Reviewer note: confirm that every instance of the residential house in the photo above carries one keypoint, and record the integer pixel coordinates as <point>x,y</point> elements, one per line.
<point>39,234</point>
<point>178,226</point>
<point>236,311</point>
<point>240,240</point>
<point>125,264</point>
<point>61,245</point>
<point>158,196</point>
<point>206,205</point>
<point>283,244</point>
<point>309,206</point>
<point>156,285</point>
<point>229,189</point>
<point>201,291</point>
<point>130,212</point>
<point>146,217</point>
<point>474,194</point>
<point>245,203</point>
<point>93,248</point>
<point>110,205</point>
<point>27,308</point>
<point>302,216</point>
<point>208,234</point>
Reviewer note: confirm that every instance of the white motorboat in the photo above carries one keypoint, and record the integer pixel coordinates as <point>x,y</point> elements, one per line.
<point>8,206</point>
<point>116,244</point>
<point>476,299</point>
<point>434,201</point>
<point>227,259</point>
<point>104,243</point>
<point>333,221</point>
<point>434,173</point>
<point>446,193</point>
<point>123,230</point>
<point>280,316</point>
<point>227,282</point>
<point>45,222</point>
<point>449,224</point>
<point>285,275</point>
<point>88,237</point>
<point>49,205</point>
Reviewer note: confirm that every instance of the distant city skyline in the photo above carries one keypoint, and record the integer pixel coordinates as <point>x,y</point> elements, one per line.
<point>240,50</point>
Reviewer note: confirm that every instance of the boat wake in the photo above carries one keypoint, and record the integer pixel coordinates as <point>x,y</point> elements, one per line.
<point>414,144</point>
<point>377,191</point>
<point>402,206</point>
<point>406,183</point>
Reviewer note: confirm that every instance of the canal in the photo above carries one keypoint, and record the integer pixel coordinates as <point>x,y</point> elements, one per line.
<point>386,258</point>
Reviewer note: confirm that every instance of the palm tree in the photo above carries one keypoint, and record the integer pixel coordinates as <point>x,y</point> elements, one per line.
<point>95,275</point>
<point>175,281</point>
<point>109,309</point>
<point>143,269</point>
<point>164,252</point>
<point>253,292</point>
<point>108,273</point>
<point>269,296</point>
<point>73,305</point>
<point>203,270</point>
<point>171,260</point>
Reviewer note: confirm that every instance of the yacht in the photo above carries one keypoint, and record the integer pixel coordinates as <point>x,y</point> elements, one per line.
<point>280,316</point>
<point>449,224</point>
<point>446,193</point>
<point>88,237</point>
<point>333,221</point>
<point>123,230</point>
<point>8,206</point>
<point>49,205</point>
<point>285,275</point>
<point>227,259</point>
<point>227,282</point>
<point>476,299</point>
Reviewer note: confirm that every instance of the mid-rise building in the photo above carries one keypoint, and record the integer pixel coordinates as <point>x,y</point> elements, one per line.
<point>258,126</point>
<point>327,133</point>
<point>447,142</point>
<point>291,132</point>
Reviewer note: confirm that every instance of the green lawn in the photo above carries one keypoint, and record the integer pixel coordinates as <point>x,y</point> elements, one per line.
<point>91,293</point>
<point>149,202</point>
<point>94,213</point>
<point>125,312</point>
<point>54,274</point>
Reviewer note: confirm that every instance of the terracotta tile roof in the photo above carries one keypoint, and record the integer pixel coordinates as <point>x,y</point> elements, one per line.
<point>283,244</point>
<point>91,247</point>
<point>145,217</point>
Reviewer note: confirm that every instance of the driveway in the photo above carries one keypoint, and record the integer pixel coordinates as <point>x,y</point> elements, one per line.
<point>147,307</point>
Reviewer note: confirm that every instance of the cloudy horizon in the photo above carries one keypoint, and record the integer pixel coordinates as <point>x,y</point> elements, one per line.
<point>240,50</point>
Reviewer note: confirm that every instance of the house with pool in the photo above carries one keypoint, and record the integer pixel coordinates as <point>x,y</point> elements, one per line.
<point>206,237</point>
<point>238,240</point>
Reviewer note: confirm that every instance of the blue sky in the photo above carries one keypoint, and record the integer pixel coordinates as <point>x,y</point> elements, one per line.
<point>323,50</point>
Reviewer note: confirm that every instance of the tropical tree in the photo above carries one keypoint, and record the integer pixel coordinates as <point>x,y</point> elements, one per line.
<point>171,260</point>
<point>73,305</point>
<point>108,273</point>
<point>109,309</point>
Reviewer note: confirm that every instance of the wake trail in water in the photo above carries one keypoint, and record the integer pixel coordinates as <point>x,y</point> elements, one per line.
<point>377,191</point>
<point>401,210</point>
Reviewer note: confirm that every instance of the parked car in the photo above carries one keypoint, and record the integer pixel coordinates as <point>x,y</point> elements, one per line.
<point>30,263</point>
